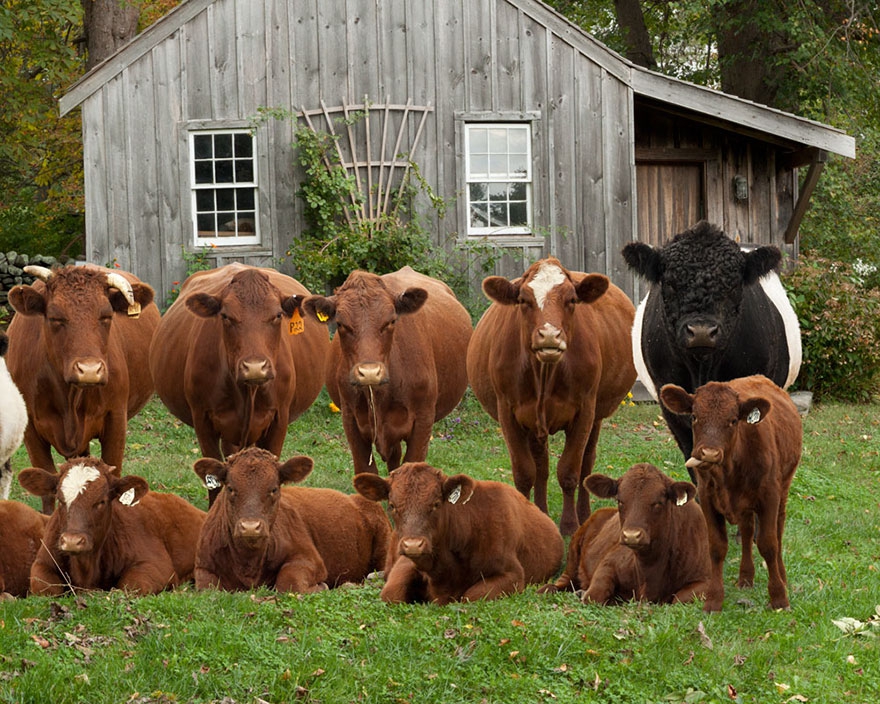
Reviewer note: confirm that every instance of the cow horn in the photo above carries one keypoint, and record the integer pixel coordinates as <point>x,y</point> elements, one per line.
<point>39,272</point>
<point>119,282</point>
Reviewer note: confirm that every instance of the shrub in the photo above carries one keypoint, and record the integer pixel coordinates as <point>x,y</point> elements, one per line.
<point>838,305</point>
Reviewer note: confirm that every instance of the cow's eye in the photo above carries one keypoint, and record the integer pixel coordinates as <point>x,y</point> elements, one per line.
<point>57,323</point>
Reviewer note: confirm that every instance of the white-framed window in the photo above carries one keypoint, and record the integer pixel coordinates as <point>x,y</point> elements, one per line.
<point>224,187</point>
<point>498,159</point>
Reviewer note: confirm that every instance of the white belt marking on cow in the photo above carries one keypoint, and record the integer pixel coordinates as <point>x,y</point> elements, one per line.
<point>76,480</point>
<point>638,357</point>
<point>776,293</point>
<point>548,277</point>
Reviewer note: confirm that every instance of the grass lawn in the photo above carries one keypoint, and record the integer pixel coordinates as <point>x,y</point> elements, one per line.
<point>345,645</point>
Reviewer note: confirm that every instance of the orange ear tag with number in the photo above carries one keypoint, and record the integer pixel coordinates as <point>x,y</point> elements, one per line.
<point>296,325</point>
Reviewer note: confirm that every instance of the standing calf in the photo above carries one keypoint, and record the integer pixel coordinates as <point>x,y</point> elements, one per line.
<point>294,539</point>
<point>747,445</point>
<point>460,539</point>
<point>652,547</point>
<point>110,532</point>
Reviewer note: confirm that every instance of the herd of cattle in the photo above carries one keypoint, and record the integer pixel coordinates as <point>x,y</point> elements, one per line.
<point>244,351</point>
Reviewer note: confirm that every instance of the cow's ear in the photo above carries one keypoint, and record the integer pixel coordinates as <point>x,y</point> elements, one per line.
<point>322,308</point>
<point>210,467</point>
<point>290,304</point>
<point>501,290</point>
<point>27,300</point>
<point>371,486</point>
<point>676,399</point>
<point>38,481</point>
<point>458,489</point>
<point>759,262</point>
<point>601,485</point>
<point>128,489</point>
<point>203,305</point>
<point>754,410</point>
<point>410,300</point>
<point>644,260</point>
<point>295,469</point>
<point>591,287</point>
<point>681,492</point>
<point>143,296</point>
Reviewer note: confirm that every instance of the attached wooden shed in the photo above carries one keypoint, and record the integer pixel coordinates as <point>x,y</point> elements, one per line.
<point>549,142</point>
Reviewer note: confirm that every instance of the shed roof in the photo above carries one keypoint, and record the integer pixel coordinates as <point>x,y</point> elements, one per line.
<point>704,103</point>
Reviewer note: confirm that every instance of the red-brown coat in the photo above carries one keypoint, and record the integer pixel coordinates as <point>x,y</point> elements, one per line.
<point>294,539</point>
<point>653,547</point>
<point>80,360</point>
<point>110,532</point>
<point>550,354</point>
<point>747,444</point>
<point>21,530</point>
<point>234,359</point>
<point>457,539</point>
<point>397,361</point>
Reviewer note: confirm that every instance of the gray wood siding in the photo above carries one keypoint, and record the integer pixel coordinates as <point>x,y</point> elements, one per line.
<point>502,58</point>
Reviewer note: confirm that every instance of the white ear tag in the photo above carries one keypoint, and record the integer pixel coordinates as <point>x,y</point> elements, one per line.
<point>754,416</point>
<point>681,500</point>
<point>127,498</point>
<point>211,482</point>
<point>455,495</point>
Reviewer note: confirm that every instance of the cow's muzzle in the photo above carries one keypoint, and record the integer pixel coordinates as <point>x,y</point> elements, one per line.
<point>255,371</point>
<point>634,538</point>
<point>252,530</point>
<point>705,455</point>
<point>88,371</point>
<point>75,543</point>
<point>414,548</point>
<point>548,344</point>
<point>701,335</point>
<point>369,374</point>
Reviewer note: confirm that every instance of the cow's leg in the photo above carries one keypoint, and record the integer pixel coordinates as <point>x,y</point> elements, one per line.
<point>40,454</point>
<point>569,469</point>
<point>603,584</point>
<point>717,553</point>
<point>113,440</point>
<point>149,576</point>
<point>209,444</point>
<point>510,581</point>
<point>304,573</point>
<point>681,430</point>
<point>404,584</point>
<point>589,461</point>
<point>747,562</point>
<point>45,578</point>
<point>780,529</point>
<point>769,547</point>
<point>541,457</point>
<point>420,436</point>
<point>522,463</point>
<point>276,433</point>
<point>361,447</point>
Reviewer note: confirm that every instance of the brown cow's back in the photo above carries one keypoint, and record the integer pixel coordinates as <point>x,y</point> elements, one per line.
<point>21,530</point>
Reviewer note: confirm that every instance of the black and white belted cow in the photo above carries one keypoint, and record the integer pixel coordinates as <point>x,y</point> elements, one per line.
<point>78,351</point>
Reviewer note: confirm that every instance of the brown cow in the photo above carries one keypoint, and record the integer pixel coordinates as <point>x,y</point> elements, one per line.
<point>397,361</point>
<point>552,353</point>
<point>294,539</point>
<point>234,359</point>
<point>110,532</point>
<point>21,530</point>
<point>460,539</point>
<point>747,445</point>
<point>78,353</point>
<point>653,547</point>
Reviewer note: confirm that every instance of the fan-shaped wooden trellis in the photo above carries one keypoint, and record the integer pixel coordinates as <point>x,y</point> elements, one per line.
<point>384,168</point>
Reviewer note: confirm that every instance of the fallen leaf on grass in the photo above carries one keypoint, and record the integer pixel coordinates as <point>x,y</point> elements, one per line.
<point>704,638</point>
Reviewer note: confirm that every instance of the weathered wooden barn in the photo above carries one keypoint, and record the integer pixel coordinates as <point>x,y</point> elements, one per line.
<point>549,142</point>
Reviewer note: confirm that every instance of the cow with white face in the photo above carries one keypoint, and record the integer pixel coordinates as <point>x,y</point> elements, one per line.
<point>550,354</point>
<point>110,532</point>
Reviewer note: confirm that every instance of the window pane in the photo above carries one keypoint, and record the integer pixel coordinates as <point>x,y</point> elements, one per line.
<point>498,165</point>
<point>244,171</point>
<point>223,171</point>
<point>225,199</point>
<point>498,140</point>
<point>498,213</point>
<point>479,166</point>
<point>244,146</point>
<point>247,222</point>
<point>478,191</point>
<point>479,140</point>
<point>518,191</point>
<point>518,165</point>
<point>519,214</point>
<point>517,141</point>
<point>205,200</point>
<point>205,222</point>
<point>498,191</point>
<point>222,146</point>
<point>204,172</point>
<point>203,146</point>
<point>479,218</point>
<point>245,198</point>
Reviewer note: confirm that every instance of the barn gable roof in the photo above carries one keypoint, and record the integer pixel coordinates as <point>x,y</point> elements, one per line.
<point>704,103</point>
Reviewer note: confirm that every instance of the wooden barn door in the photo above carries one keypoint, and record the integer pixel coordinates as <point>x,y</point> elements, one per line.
<point>671,198</point>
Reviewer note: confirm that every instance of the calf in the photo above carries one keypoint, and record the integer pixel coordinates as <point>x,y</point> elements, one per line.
<point>21,530</point>
<point>13,420</point>
<point>460,539</point>
<point>747,445</point>
<point>110,532</point>
<point>652,547</point>
<point>294,539</point>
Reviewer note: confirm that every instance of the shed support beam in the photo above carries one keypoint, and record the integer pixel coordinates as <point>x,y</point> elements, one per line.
<point>806,192</point>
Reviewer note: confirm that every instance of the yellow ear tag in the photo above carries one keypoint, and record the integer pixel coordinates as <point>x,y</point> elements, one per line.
<point>323,317</point>
<point>296,325</point>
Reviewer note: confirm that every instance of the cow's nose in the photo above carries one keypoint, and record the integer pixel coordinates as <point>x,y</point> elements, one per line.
<point>413,547</point>
<point>255,371</point>
<point>369,374</point>
<point>89,372</point>
<point>633,537</point>
<point>251,528</point>
<point>74,542</point>
<point>712,455</point>
<point>549,343</point>
<point>701,335</point>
